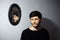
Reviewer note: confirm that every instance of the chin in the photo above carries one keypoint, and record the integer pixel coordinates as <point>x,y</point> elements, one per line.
<point>34,25</point>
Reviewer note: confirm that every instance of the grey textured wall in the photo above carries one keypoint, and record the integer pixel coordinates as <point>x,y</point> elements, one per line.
<point>50,10</point>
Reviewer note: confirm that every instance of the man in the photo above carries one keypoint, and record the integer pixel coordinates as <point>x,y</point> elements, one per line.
<point>35,32</point>
<point>15,17</point>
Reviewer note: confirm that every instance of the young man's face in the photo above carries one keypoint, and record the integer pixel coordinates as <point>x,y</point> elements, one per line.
<point>15,18</point>
<point>35,21</point>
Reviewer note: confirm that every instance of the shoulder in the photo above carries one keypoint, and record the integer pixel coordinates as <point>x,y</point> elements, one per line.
<point>26,30</point>
<point>44,30</point>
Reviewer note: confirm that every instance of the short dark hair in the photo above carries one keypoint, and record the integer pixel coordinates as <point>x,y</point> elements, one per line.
<point>35,13</point>
<point>15,11</point>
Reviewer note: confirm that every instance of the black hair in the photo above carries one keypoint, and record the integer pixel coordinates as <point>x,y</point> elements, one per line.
<point>15,11</point>
<point>35,13</point>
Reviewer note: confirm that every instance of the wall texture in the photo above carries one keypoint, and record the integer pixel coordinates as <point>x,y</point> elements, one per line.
<point>50,10</point>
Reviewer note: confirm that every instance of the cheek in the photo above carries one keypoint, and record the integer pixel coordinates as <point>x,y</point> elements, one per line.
<point>37,21</point>
<point>31,21</point>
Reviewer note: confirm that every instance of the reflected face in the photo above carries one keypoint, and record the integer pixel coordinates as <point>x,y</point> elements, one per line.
<point>14,14</point>
<point>35,21</point>
<point>15,18</point>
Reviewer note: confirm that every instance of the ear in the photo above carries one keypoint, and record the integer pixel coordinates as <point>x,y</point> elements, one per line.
<point>40,20</point>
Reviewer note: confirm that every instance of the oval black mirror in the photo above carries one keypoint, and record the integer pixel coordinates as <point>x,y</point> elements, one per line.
<point>14,14</point>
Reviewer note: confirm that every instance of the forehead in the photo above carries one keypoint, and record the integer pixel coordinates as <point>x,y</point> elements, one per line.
<point>34,17</point>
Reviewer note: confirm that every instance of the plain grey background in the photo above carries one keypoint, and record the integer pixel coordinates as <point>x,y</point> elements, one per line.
<point>50,10</point>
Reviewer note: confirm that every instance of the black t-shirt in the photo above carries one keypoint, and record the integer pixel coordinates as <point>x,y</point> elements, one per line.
<point>28,34</point>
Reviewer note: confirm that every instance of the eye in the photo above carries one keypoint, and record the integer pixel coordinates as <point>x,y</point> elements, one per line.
<point>36,19</point>
<point>31,19</point>
<point>14,10</point>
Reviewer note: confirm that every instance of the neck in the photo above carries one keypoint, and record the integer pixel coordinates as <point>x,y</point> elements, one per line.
<point>35,28</point>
